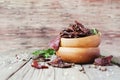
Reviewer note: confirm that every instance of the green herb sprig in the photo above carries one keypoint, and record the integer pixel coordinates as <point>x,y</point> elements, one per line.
<point>94,31</point>
<point>45,52</point>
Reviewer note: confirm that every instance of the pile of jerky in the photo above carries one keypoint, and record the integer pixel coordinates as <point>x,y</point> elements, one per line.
<point>75,31</point>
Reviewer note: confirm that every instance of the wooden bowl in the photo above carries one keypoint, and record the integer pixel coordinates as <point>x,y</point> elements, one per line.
<point>89,41</point>
<point>78,55</point>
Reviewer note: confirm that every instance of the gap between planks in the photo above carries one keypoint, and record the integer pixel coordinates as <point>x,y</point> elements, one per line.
<point>18,69</point>
<point>29,73</point>
<point>10,69</point>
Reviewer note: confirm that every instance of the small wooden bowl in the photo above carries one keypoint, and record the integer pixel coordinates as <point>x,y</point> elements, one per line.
<point>89,41</point>
<point>78,55</point>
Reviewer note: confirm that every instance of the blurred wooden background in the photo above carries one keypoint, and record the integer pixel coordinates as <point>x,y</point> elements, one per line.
<point>28,24</point>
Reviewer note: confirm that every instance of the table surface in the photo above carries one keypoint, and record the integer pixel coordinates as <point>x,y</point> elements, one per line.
<point>13,67</point>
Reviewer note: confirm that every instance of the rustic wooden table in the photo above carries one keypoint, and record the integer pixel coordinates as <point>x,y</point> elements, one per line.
<point>12,67</point>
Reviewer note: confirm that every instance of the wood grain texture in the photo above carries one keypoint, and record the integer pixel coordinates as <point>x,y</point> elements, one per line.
<point>10,69</point>
<point>112,73</point>
<point>48,74</point>
<point>14,71</point>
<point>20,74</point>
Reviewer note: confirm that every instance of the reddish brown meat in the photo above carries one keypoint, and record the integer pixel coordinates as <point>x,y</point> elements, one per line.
<point>54,44</point>
<point>38,66</point>
<point>59,63</point>
<point>75,31</point>
<point>103,61</point>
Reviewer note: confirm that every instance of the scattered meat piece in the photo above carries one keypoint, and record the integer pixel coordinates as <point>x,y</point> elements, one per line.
<point>103,68</point>
<point>103,61</point>
<point>54,44</point>
<point>93,66</point>
<point>75,31</point>
<point>38,66</point>
<point>59,63</point>
<point>82,70</point>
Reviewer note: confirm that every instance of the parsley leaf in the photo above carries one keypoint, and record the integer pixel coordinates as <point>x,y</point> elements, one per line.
<point>46,53</point>
<point>94,31</point>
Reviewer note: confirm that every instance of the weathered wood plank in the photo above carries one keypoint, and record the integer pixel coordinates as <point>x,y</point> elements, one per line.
<point>27,73</point>
<point>7,71</point>
<point>36,74</point>
<point>75,74</point>
<point>48,74</point>
<point>19,75</point>
<point>59,74</point>
<point>112,73</point>
<point>70,74</point>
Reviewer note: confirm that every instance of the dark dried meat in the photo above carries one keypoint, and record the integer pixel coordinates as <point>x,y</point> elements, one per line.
<point>103,61</point>
<point>58,62</point>
<point>38,66</point>
<point>75,31</point>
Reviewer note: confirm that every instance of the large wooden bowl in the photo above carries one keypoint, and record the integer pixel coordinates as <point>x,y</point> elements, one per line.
<point>78,55</point>
<point>89,41</point>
